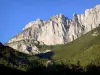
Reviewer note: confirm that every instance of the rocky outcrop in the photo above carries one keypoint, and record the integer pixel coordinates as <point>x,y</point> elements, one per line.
<point>57,30</point>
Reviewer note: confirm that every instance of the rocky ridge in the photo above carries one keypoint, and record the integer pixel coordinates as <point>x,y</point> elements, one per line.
<point>57,30</point>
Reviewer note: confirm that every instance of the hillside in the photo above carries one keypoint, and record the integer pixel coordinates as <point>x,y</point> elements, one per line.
<point>68,59</point>
<point>57,45</point>
<point>85,49</point>
<point>58,29</point>
<point>11,58</point>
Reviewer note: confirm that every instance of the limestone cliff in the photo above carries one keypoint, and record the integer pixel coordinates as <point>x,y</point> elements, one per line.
<point>57,30</point>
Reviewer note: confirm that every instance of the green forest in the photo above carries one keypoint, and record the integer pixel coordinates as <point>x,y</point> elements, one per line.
<point>81,56</point>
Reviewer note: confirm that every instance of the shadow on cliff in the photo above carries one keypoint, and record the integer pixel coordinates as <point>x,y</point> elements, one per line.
<point>47,55</point>
<point>38,69</point>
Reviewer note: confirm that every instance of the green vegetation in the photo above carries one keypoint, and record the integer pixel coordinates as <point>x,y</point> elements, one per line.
<point>43,47</point>
<point>81,55</point>
<point>14,59</point>
<point>85,49</point>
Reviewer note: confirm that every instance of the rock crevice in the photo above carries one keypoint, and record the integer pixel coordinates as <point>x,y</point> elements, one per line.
<point>59,29</point>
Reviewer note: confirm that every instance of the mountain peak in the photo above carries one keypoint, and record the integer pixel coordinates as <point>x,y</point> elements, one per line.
<point>74,14</point>
<point>59,29</point>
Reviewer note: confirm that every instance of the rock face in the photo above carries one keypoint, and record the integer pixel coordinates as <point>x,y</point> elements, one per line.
<point>57,30</point>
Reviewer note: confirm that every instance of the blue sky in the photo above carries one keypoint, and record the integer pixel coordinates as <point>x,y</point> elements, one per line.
<point>15,14</point>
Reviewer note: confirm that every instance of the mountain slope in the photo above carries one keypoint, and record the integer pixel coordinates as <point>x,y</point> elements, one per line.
<point>57,30</point>
<point>11,58</point>
<point>85,49</point>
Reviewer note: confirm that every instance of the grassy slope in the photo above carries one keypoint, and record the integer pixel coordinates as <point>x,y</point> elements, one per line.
<point>85,49</point>
<point>14,59</point>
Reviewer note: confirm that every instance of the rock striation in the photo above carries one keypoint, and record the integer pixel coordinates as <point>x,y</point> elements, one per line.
<point>57,30</point>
